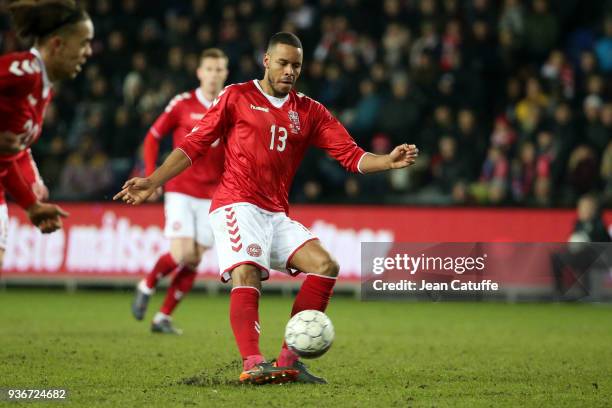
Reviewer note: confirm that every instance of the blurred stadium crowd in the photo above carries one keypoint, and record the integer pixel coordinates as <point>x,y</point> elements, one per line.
<point>509,101</point>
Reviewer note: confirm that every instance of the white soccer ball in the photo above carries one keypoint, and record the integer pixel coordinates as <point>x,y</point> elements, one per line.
<point>309,333</point>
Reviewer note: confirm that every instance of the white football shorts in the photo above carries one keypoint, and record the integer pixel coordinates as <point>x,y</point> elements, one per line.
<point>187,217</point>
<point>247,234</point>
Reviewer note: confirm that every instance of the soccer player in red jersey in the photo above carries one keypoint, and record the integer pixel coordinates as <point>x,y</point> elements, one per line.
<point>187,196</point>
<point>265,127</point>
<point>62,33</point>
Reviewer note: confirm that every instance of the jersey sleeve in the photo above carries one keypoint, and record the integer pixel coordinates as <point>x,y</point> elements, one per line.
<point>163,126</point>
<point>210,128</point>
<point>28,167</point>
<point>13,181</point>
<point>331,136</point>
<point>168,120</point>
<point>18,74</point>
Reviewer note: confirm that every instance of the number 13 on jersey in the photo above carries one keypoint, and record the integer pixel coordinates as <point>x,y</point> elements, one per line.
<point>278,138</point>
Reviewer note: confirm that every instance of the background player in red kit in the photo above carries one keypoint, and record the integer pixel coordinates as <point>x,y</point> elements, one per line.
<point>187,197</point>
<point>62,33</point>
<point>266,127</point>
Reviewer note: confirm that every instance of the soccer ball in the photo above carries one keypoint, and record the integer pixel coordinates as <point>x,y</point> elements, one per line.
<point>309,333</point>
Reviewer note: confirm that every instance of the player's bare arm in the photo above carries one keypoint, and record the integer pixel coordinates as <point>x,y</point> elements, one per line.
<point>136,190</point>
<point>402,156</point>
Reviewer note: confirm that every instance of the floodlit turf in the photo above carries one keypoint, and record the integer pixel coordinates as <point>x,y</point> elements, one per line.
<point>385,354</point>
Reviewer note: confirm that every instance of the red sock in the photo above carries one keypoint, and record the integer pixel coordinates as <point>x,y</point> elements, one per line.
<point>165,264</point>
<point>313,295</point>
<point>244,317</point>
<point>180,286</point>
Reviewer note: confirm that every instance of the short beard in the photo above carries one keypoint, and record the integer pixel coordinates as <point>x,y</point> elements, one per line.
<point>276,93</point>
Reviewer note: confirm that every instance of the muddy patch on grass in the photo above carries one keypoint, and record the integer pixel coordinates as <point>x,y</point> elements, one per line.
<point>215,377</point>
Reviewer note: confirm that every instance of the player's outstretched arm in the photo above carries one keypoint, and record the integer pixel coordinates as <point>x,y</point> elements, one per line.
<point>402,156</point>
<point>137,190</point>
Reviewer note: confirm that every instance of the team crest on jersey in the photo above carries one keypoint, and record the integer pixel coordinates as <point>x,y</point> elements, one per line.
<point>254,250</point>
<point>295,121</point>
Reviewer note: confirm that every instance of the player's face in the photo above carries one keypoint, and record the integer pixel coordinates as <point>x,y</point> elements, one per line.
<point>283,65</point>
<point>73,50</point>
<point>212,74</point>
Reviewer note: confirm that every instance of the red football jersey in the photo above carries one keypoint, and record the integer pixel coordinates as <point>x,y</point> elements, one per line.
<point>25,93</point>
<point>265,139</point>
<point>180,116</point>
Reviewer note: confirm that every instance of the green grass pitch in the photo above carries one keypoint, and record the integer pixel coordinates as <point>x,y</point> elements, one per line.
<point>385,354</point>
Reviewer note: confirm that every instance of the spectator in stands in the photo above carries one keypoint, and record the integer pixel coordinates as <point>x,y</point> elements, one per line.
<point>448,168</point>
<point>361,120</point>
<point>546,148</point>
<point>583,170</point>
<point>565,134</point>
<point>596,134</point>
<point>512,18</point>
<point>529,109</point>
<point>606,174</point>
<point>559,76</point>
<point>493,184</point>
<point>471,141</point>
<point>541,30</point>
<point>503,135</point>
<point>587,67</point>
<point>443,124</point>
<point>401,113</point>
<point>603,47</point>
<point>87,174</point>
<point>524,173</point>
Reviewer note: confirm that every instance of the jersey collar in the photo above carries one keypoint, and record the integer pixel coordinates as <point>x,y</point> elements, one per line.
<point>46,82</point>
<point>202,99</point>
<point>276,102</point>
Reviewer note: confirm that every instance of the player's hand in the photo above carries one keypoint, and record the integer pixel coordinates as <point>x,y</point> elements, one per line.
<point>11,143</point>
<point>46,217</point>
<point>40,190</point>
<point>403,156</point>
<point>136,191</point>
<point>156,195</point>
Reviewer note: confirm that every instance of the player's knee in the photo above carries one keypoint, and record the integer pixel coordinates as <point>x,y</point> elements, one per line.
<point>191,260</point>
<point>188,257</point>
<point>328,267</point>
<point>246,275</point>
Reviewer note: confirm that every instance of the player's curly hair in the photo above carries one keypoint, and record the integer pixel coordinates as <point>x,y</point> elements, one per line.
<point>40,18</point>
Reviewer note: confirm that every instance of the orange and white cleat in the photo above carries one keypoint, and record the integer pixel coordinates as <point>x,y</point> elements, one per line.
<point>267,373</point>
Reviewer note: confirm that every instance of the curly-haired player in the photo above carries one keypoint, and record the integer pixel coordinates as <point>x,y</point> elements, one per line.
<point>61,32</point>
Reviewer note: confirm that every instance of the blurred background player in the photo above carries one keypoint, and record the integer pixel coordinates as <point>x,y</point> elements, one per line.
<point>187,197</point>
<point>61,32</point>
<point>266,127</point>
